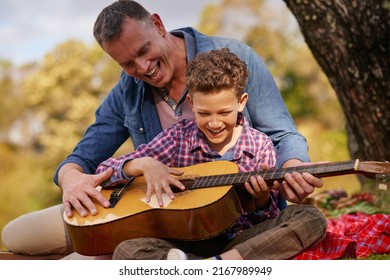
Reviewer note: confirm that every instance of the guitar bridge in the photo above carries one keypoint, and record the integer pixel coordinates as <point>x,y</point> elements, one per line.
<point>118,192</point>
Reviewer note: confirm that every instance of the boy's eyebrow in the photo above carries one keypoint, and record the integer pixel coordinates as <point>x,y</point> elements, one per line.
<point>200,110</point>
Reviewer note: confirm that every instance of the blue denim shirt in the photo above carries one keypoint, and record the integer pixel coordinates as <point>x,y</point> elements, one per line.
<point>129,110</point>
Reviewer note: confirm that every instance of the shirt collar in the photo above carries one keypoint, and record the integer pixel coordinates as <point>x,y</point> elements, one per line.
<point>189,41</point>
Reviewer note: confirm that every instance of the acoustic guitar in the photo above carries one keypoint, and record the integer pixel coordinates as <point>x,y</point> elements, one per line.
<point>212,202</point>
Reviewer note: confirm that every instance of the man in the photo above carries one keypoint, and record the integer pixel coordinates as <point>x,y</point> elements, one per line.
<point>150,96</point>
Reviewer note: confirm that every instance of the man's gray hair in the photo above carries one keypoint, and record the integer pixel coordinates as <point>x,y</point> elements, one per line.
<point>108,25</point>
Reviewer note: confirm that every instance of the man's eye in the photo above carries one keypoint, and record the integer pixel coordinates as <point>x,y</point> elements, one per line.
<point>127,65</point>
<point>145,50</point>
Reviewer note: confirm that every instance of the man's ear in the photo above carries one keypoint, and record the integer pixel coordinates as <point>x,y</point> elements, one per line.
<point>242,102</point>
<point>158,24</point>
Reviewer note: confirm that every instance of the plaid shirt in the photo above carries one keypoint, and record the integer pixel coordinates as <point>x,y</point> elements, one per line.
<point>183,144</point>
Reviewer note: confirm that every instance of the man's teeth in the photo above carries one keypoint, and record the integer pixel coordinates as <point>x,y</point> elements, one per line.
<point>152,72</point>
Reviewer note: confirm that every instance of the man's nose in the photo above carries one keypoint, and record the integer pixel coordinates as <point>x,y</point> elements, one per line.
<point>142,66</point>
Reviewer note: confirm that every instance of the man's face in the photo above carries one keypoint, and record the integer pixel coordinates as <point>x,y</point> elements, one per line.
<point>143,52</point>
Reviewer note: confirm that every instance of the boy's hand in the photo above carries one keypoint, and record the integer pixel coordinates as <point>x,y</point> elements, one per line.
<point>258,189</point>
<point>158,177</point>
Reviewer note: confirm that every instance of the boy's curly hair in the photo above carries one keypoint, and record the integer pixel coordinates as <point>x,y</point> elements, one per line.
<point>216,70</point>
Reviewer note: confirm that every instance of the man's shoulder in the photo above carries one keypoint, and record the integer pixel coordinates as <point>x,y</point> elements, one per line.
<point>206,42</point>
<point>255,133</point>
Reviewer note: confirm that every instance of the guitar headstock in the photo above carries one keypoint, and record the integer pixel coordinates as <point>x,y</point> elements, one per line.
<point>372,168</point>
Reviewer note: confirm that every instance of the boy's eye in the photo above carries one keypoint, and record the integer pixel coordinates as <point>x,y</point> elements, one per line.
<point>225,113</point>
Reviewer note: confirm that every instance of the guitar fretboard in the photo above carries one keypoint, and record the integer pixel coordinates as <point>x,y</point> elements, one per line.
<point>318,170</point>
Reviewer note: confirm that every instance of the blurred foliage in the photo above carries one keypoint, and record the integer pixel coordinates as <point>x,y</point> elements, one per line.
<point>64,94</point>
<point>47,105</point>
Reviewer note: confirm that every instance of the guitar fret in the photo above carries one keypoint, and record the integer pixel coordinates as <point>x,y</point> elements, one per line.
<point>315,169</point>
<point>220,181</point>
<point>229,179</point>
<point>200,182</point>
<point>341,166</point>
<point>234,179</point>
<point>265,174</point>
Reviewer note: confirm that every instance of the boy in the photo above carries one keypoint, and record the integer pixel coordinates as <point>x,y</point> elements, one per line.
<point>215,82</point>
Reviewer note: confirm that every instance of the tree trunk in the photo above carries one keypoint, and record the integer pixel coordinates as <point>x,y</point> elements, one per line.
<point>350,41</point>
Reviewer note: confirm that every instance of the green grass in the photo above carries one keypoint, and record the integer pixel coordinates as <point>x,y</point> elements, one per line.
<point>373,257</point>
<point>379,257</point>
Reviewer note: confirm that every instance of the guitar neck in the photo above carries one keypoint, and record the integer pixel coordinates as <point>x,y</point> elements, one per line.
<point>271,175</point>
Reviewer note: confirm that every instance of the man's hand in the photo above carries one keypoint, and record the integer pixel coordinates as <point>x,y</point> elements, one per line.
<point>79,188</point>
<point>297,186</point>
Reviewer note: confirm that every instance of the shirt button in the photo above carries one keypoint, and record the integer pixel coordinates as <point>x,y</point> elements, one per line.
<point>166,98</point>
<point>141,129</point>
<point>174,107</point>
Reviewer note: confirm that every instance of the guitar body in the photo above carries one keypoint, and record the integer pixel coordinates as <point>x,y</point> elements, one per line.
<point>193,215</point>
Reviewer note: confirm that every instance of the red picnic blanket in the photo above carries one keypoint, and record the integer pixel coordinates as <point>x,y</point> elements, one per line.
<point>352,235</point>
<point>356,227</point>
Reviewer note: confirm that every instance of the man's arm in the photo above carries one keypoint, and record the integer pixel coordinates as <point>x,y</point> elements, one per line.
<point>102,139</point>
<point>269,114</point>
<point>74,175</point>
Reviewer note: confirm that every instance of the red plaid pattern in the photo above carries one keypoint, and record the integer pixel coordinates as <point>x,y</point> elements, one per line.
<point>355,236</point>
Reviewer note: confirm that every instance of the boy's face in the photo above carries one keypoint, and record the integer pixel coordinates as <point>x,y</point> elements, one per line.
<point>216,116</point>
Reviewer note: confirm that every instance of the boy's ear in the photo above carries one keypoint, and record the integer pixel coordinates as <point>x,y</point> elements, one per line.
<point>189,99</point>
<point>242,102</point>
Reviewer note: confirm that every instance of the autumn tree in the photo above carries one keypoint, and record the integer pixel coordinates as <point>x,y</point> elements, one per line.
<point>350,41</point>
<point>10,104</point>
<point>63,94</point>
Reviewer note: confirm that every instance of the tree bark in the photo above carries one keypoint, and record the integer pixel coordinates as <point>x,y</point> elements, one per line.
<point>350,41</point>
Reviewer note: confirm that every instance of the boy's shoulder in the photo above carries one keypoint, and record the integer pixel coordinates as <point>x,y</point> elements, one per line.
<point>184,124</point>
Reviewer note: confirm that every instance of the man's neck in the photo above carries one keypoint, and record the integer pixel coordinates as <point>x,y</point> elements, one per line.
<point>177,85</point>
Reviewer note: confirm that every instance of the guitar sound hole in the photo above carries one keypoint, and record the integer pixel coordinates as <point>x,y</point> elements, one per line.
<point>175,189</point>
<point>188,183</point>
